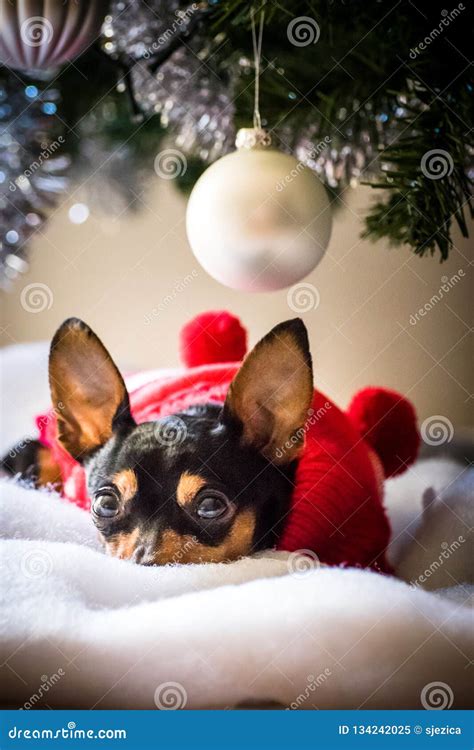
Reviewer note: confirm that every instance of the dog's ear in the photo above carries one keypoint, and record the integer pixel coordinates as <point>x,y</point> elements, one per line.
<point>272,393</point>
<point>87,390</point>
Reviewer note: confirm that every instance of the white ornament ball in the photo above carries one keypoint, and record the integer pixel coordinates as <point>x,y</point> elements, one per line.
<point>257,219</point>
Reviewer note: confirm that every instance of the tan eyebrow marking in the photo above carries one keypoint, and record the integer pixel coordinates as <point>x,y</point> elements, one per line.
<point>188,487</point>
<point>127,484</point>
<point>184,548</point>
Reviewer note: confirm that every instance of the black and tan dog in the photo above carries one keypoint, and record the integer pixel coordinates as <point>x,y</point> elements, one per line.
<point>218,494</point>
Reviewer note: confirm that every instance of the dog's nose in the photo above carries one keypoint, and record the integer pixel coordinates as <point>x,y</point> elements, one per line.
<point>143,555</point>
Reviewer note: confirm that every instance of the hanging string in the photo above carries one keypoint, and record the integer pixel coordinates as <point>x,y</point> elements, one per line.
<point>257,55</point>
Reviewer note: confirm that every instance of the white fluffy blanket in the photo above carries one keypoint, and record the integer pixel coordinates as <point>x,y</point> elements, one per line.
<point>80,629</point>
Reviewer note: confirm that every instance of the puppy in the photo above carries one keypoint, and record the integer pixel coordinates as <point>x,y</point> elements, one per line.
<point>220,492</point>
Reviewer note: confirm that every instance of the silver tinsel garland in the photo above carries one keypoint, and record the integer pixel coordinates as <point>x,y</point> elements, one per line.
<point>186,90</point>
<point>32,165</point>
<point>352,151</point>
<point>189,95</point>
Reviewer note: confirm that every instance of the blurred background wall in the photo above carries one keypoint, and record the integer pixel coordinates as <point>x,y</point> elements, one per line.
<point>135,281</point>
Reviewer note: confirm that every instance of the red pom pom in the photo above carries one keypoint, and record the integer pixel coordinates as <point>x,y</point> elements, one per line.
<point>215,336</point>
<point>387,421</point>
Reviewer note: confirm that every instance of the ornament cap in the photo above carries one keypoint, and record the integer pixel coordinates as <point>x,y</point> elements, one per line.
<point>250,138</point>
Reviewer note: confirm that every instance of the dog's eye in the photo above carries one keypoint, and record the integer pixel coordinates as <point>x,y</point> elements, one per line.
<point>211,504</point>
<point>106,503</point>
